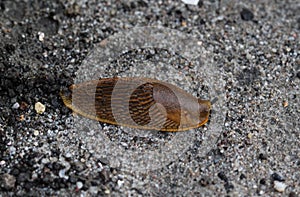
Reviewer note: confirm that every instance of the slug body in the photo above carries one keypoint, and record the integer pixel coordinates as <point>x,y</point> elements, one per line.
<point>138,103</point>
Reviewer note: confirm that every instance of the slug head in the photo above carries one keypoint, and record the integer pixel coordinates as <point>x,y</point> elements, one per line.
<point>181,107</point>
<point>195,113</point>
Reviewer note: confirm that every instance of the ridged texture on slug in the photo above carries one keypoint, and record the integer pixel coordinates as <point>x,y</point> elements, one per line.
<point>138,103</point>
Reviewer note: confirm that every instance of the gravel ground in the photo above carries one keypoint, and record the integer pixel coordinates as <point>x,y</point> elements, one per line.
<point>243,56</point>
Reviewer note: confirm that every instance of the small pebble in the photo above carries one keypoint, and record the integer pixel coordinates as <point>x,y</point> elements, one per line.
<point>248,56</point>
<point>93,190</point>
<point>277,177</point>
<point>250,135</point>
<point>246,15</point>
<point>12,150</point>
<point>107,191</point>
<point>39,108</point>
<point>16,105</point>
<point>120,183</point>
<point>23,105</point>
<point>279,186</point>
<point>41,36</point>
<point>285,103</point>
<point>34,176</point>
<point>36,132</point>
<point>68,155</point>
<point>274,50</point>
<point>79,185</point>
<point>61,173</point>
<point>7,181</point>
<point>261,192</point>
<point>44,161</point>
<point>191,2</point>
<point>22,118</point>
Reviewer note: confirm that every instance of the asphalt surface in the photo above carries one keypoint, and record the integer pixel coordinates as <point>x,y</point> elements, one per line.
<point>242,56</point>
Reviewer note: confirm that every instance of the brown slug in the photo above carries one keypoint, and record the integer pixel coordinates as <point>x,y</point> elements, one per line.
<point>141,103</point>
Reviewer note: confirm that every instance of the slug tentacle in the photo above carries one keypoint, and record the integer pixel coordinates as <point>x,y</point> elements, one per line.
<point>138,103</point>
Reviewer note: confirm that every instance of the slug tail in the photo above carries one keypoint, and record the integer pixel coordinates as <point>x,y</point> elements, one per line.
<point>67,98</point>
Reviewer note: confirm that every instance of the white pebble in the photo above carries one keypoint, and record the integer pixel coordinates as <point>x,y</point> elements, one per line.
<point>192,2</point>
<point>79,185</point>
<point>45,160</point>
<point>61,173</point>
<point>41,36</point>
<point>16,105</point>
<point>279,186</point>
<point>120,183</point>
<point>248,56</point>
<point>36,132</point>
<point>12,150</point>
<point>39,108</point>
<point>34,176</point>
<point>68,155</point>
<point>107,191</point>
<point>93,189</point>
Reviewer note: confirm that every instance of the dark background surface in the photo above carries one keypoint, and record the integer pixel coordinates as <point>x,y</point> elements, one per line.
<point>256,44</point>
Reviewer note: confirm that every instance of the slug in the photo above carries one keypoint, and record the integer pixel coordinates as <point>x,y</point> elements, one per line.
<point>141,103</point>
